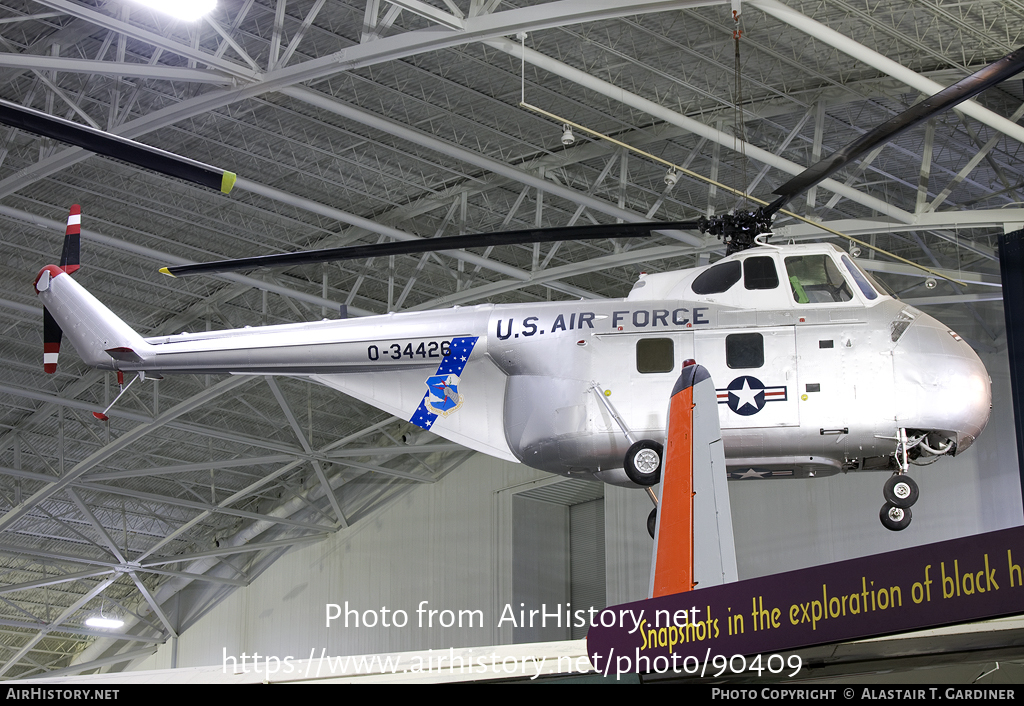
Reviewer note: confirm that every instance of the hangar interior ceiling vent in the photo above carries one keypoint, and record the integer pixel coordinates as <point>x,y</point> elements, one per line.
<point>345,119</point>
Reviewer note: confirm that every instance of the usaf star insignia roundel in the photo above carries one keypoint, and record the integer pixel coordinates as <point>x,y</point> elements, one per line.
<point>746,395</point>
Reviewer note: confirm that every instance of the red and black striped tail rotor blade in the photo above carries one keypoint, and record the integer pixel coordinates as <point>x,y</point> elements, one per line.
<point>52,336</point>
<point>70,258</point>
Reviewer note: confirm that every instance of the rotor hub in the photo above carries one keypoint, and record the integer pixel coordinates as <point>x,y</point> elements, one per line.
<point>737,229</point>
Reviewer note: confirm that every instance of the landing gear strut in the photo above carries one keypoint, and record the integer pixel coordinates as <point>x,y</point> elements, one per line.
<point>643,460</point>
<point>900,491</point>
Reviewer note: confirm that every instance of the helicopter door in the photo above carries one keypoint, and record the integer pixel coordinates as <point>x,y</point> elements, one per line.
<point>755,375</point>
<point>638,371</point>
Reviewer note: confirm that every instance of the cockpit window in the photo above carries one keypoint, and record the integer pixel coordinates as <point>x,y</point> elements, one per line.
<point>760,273</point>
<point>815,279</point>
<point>717,279</point>
<point>860,278</point>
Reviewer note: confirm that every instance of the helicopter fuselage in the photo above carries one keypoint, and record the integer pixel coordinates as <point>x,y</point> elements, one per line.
<point>816,369</point>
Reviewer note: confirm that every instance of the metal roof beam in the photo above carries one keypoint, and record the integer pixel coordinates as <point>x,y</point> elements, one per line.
<point>196,505</point>
<point>593,265</point>
<point>553,14</point>
<point>433,14</point>
<point>987,218</point>
<point>112,68</point>
<point>385,230</point>
<point>497,24</point>
<point>54,580</point>
<point>317,468</point>
<point>157,40</point>
<point>946,300</point>
<point>85,633</point>
<point>287,508</point>
<point>424,139</point>
<point>898,268</point>
<point>887,66</point>
<point>165,259</point>
<point>229,551</point>
<point>111,544</point>
<point>55,625</point>
<point>662,113</point>
<point>136,417</point>
<point>300,33</point>
<point>113,447</point>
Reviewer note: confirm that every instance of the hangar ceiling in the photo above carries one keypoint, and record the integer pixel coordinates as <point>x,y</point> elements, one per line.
<point>368,120</point>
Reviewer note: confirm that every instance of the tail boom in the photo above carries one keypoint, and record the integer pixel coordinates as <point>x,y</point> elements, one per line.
<point>389,343</point>
<point>92,328</point>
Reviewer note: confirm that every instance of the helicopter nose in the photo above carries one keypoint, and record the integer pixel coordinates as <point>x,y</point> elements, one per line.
<point>940,383</point>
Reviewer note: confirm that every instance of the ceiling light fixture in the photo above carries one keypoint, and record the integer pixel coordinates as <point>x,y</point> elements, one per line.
<point>97,621</point>
<point>671,177</point>
<point>185,10</point>
<point>567,136</point>
<point>108,620</point>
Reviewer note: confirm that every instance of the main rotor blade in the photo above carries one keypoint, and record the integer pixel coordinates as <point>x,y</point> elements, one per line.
<point>456,242</point>
<point>1007,67</point>
<point>111,145</point>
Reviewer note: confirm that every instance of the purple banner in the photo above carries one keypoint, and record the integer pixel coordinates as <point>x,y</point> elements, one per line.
<point>956,581</point>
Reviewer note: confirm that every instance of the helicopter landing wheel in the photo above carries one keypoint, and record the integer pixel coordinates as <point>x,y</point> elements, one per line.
<point>652,522</point>
<point>901,491</point>
<point>895,518</point>
<point>643,462</point>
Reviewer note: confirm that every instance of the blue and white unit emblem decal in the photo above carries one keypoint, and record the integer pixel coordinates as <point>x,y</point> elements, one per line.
<point>443,396</point>
<point>747,395</point>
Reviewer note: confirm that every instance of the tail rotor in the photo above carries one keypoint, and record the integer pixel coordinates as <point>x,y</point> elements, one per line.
<point>69,262</point>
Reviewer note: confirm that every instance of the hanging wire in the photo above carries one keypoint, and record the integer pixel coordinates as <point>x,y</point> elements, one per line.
<point>739,132</point>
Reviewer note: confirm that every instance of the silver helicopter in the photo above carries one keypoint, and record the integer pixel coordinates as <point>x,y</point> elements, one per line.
<point>818,369</point>
<point>820,372</point>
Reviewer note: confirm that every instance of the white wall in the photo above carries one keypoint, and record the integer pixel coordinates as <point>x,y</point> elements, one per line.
<point>435,543</point>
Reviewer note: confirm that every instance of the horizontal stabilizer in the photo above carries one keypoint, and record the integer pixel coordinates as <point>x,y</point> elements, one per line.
<point>125,354</point>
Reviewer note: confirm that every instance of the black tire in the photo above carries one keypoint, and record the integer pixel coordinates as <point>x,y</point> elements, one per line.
<point>895,518</point>
<point>901,491</point>
<point>643,462</point>
<point>652,522</point>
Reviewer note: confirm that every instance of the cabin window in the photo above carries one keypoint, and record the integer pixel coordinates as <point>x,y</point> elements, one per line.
<point>860,278</point>
<point>759,273</point>
<point>717,279</point>
<point>655,355</point>
<point>815,279</point>
<point>744,350</point>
